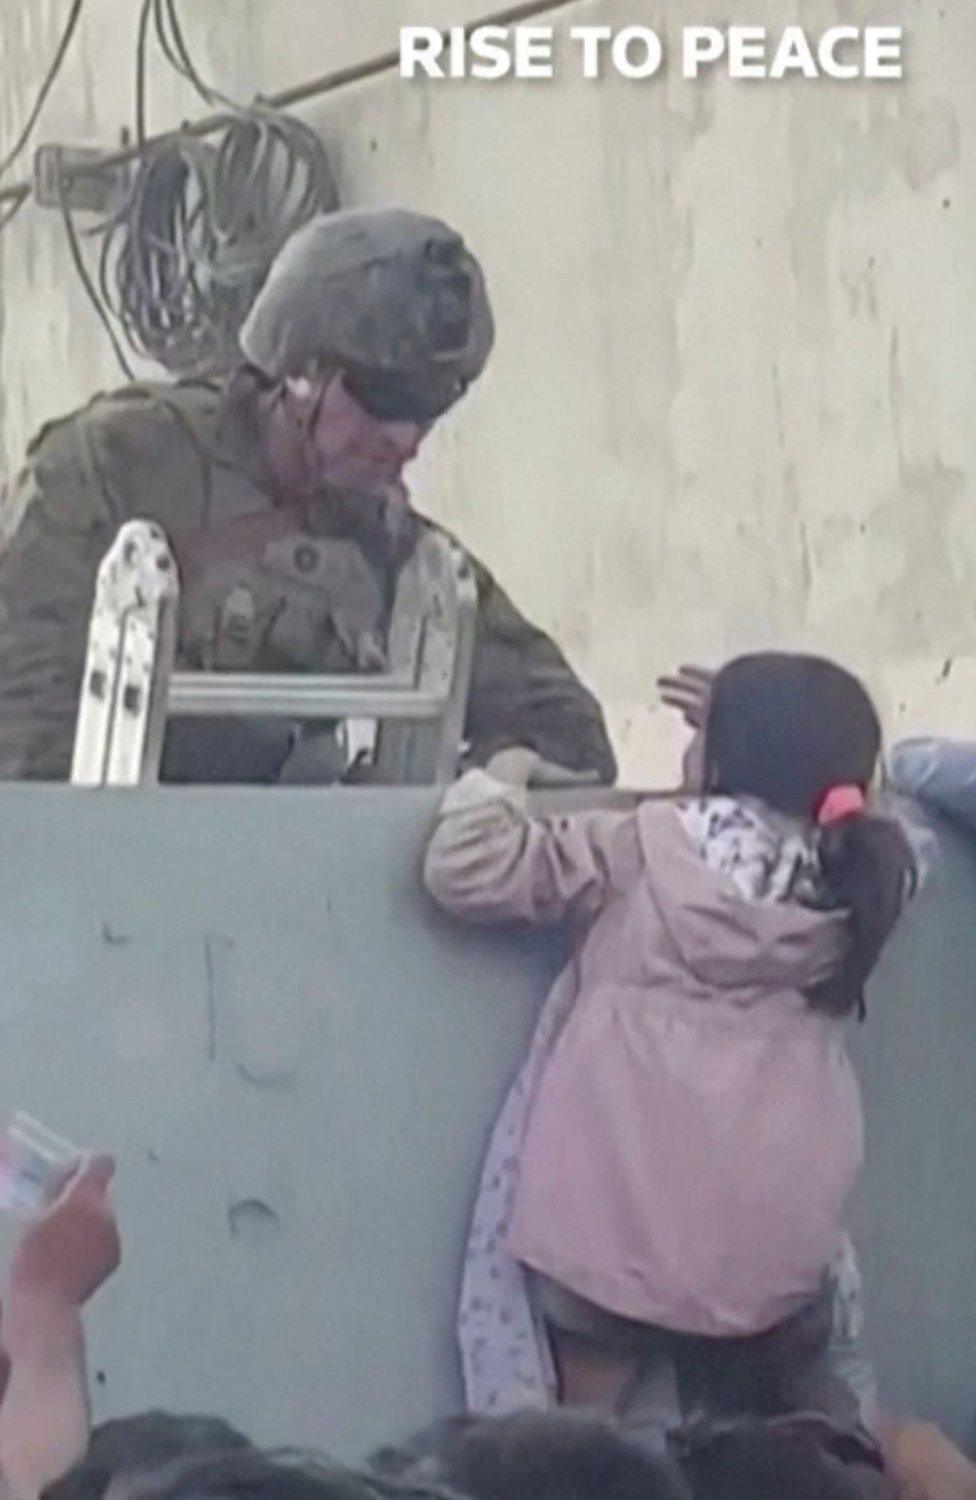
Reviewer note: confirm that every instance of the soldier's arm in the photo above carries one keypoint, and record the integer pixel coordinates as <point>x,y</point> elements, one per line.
<point>47,576</point>
<point>524,692</point>
<point>83,478</point>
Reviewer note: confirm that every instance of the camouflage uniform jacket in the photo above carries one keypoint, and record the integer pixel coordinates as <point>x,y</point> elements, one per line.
<point>265,588</point>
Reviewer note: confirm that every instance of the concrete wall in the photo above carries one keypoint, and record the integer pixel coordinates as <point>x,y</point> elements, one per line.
<point>295,1069</point>
<point>734,381</point>
<point>246,998</point>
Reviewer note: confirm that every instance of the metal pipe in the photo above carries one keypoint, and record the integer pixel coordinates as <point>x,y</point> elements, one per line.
<point>301,93</point>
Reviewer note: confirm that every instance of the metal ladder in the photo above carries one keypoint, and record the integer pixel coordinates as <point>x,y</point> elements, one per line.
<point>130,690</point>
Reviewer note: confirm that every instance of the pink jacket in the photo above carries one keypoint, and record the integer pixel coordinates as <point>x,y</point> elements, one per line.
<point>693,1141</point>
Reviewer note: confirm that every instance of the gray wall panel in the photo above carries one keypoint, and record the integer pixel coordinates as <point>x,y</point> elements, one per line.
<point>245,997</point>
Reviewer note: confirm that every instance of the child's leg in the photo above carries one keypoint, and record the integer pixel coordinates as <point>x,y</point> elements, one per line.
<point>770,1374</point>
<point>590,1378</point>
<point>596,1353</point>
<point>797,1365</point>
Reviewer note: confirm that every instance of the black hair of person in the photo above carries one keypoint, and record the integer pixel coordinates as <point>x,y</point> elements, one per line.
<point>788,729</point>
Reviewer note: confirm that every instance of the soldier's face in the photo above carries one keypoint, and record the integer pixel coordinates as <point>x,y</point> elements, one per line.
<point>349,448</point>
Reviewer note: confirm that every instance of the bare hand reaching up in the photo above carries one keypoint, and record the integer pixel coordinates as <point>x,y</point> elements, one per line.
<point>69,1250</point>
<point>688,691</point>
<point>63,1256</point>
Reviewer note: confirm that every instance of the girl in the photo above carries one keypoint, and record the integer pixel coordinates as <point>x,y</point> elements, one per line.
<point>671,1171</point>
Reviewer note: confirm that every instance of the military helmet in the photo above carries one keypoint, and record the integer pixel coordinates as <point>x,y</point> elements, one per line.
<point>392,296</point>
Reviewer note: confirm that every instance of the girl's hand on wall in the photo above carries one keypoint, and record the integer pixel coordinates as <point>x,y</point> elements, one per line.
<point>521,767</point>
<point>515,766</point>
<point>68,1251</point>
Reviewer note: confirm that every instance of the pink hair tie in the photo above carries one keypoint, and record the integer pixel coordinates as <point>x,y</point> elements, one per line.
<point>839,803</point>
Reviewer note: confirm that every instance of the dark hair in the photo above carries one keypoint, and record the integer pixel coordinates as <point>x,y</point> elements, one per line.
<point>251,1475</point>
<point>786,729</point>
<point>534,1456</point>
<point>142,1442</point>
<point>756,1461</point>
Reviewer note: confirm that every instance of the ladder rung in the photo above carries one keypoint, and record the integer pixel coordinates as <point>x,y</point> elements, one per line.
<point>236,694</point>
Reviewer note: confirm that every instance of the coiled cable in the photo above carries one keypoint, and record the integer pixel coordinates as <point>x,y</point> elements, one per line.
<point>184,258</point>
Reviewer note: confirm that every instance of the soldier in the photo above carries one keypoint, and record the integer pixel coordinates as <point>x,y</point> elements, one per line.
<point>371,325</point>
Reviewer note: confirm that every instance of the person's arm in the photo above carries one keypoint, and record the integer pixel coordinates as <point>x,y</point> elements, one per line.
<point>60,1261</point>
<point>689,692</point>
<point>44,1420</point>
<point>122,457</point>
<point>924,1463</point>
<point>489,860</point>
<point>939,772</point>
<point>523,692</point>
<point>47,580</point>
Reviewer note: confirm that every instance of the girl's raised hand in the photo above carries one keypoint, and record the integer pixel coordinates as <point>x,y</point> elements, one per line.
<point>688,691</point>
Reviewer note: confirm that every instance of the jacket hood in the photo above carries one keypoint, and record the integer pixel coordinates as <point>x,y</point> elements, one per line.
<point>724,938</point>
